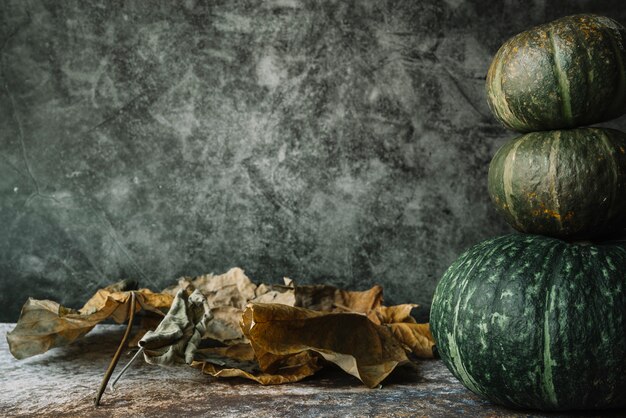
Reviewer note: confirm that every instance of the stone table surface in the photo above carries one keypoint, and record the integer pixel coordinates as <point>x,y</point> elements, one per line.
<point>63,381</point>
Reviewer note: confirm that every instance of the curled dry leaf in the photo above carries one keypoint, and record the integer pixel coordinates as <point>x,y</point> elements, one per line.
<point>44,324</point>
<point>279,343</point>
<point>227,295</point>
<point>239,361</point>
<point>262,332</point>
<point>234,289</point>
<point>415,337</point>
<point>178,336</point>
<point>289,342</point>
<point>392,314</point>
<point>332,299</point>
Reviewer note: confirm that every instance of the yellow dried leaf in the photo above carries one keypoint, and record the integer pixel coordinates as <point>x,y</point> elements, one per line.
<point>239,361</point>
<point>393,314</point>
<point>44,324</point>
<point>331,299</point>
<point>416,337</point>
<point>292,369</point>
<point>232,288</point>
<point>351,341</point>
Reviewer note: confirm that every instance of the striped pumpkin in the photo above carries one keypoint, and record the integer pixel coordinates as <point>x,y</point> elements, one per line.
<point>534,322</point>
<point>569,184</point>
<point>564,74</point>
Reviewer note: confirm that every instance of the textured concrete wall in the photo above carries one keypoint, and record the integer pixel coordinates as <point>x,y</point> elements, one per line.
<point>330,141</point>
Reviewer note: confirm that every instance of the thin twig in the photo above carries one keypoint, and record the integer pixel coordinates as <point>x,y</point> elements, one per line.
<point>112,385</point>
<point>120,348</point>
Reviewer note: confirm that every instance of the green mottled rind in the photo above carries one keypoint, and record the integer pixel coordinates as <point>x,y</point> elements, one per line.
<point>564,74</point>
<point>534,322</point>
<point>568,184</point>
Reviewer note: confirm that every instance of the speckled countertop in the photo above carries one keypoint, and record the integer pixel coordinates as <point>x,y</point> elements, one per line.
<point>64,380</point>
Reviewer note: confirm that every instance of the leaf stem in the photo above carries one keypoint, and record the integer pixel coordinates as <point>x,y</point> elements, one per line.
<point>120,348</point>
<point>112,385</point>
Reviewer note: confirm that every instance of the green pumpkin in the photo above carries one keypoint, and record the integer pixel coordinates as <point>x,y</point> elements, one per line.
<point>569,184</point>
<point>534,322</point>
<point>564,74</point>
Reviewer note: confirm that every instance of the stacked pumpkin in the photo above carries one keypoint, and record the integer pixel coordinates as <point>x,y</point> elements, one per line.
<point>538,320</point>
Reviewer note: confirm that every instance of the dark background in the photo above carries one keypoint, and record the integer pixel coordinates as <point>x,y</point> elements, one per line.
<point>344,142</point>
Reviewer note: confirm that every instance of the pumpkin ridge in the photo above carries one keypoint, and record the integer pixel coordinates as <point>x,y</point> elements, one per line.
<point>563,81</point>
<point>614,109</point>
<point>605,141</point>
<point>507,182</point>
<point>553,176</point>
<point>499,102</point>
<point>547,378</point>
<point>585,62</point>
<point>452,337</point>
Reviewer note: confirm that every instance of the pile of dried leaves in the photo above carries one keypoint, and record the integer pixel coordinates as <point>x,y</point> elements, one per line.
<point>227,326</point>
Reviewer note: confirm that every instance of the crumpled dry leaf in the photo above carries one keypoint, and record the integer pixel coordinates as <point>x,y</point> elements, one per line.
<point>44,324</point>
<point>233,288</point>
<point>227,295</point>
<point>275,340</point>
<point>239,361</point>
<point>415,337</point>
<point>273,356</point>
<point>178,336</point>
<point>351,341</point>
<point>332,299</point>
<point>288,342</point>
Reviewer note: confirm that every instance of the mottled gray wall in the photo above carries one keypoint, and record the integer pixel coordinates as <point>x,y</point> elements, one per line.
<point>330,141</point>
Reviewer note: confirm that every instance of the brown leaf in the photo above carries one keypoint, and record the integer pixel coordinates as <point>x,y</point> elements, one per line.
<point>331,299</point>
<point>227,295</point>
<point>239,361</point>
<point>392,314</point>
<point>304,366</point>
<point>351,341</point>
<point>232,288</point>
<point>44,324</point>
<point>284,295</point>
<point>416,337</point>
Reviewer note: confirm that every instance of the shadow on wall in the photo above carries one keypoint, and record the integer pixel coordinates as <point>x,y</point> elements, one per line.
<point>340,142</point>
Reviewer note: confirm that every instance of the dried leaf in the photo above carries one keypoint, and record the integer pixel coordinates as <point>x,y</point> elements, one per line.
<point>178,336</point>
<point>288,346</point>
<point>284,295</point>
<point>44,324</point>
<point>224,326</point>
<point>239,361</point>
<point>416,337</point>
<point>331,299</point>
<point>393,314</point>
<point>227,295</point>
<point>232,288</point>
<point>351,341</point>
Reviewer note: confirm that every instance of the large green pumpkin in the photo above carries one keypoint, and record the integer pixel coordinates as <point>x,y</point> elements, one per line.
<point>564,74</point>
<point>569,184</point>
<point>534,322</point>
